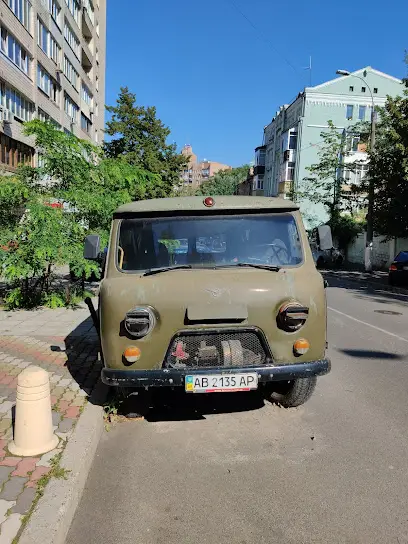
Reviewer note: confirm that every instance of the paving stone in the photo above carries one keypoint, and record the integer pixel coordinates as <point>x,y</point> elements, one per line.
<point>25,466</point>
<point>74,387</point>
<point>5,424</point>
<point>13,488</point>
<point>66,425</point>
<point>39,472</point>
<point>45,460</point>
<point>62,406</point>
<point>6,406</point>
<point>56,418</point>
<point>65,382</point>
<point>73,412</point>
<point>4,508</point>
<point>58,391</point>
<point>10,461</point>
<point>55,378</point>
<point>4,474</point>
<point>9,528</point>
<point>64,436</point>
<point>68,396</point>
<point>24,501</point>
<point>82,393</point>
<point>12,397</point>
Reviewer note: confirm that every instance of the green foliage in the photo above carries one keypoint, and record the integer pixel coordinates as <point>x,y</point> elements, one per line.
<point>388,168</point>
<point>345,229</point>
<point>324,184</point>
<point>225,182</point>
<point>140,139</point>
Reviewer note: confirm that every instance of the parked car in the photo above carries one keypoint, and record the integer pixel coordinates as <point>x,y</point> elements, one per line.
<point>398,271</point>
<point>246,314</point>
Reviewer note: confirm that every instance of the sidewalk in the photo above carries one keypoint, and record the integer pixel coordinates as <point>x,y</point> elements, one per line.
<point>65,344</point>
<point>377,278</point>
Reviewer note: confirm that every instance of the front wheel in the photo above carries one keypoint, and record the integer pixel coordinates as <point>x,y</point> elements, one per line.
<point>290,394</point>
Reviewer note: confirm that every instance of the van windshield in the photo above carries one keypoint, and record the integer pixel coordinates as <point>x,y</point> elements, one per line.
<point>208,241</point>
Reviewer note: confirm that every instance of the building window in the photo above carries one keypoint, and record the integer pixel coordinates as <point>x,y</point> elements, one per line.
<point>86,95</point>
<point>70,108</point>
<point>293,141</point>
<point>291,171</point>
<point>363,89</point>
<point>73,7</point>
<point>97,28</point>
<point>351,88</point>
<point>90,10</point>
<point>55,10</point>
<point>14,51</point>
<point>97,83</point>
<point>349,111</point>
<point>42,116</point>
<point>375,90</point>
<point>362,112</point>
<point>48,43</point>
<point>360,173</point>
<point>22,10</point>
<point>352,143</point>
<point>71,38</point>
<point>70,73</point>
<point>47,84</point>
<point>86,124</point>
<point>15,102</point>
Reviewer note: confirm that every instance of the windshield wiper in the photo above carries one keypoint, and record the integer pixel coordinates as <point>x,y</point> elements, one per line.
<point>166,269</point>
<point>270,267</point>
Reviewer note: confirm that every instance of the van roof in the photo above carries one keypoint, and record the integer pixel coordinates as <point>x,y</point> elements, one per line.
<point>196,203</point>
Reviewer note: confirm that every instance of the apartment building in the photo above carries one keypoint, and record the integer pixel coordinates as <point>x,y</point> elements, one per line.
<point>291,141</point>
<point>52,66</point>
<point>196,172</point>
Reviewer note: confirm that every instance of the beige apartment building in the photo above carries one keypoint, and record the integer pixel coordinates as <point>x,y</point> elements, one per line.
<point>52,66</point>
<point>196,172</point>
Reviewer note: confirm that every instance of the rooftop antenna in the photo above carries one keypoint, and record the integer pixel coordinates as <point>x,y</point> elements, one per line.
<point>310,70</point>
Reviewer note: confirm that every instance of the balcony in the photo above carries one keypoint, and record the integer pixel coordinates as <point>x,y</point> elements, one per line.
<point>86,59</point>
<point>87,24</point>
<point>259,169</point>
<point>284,187</point>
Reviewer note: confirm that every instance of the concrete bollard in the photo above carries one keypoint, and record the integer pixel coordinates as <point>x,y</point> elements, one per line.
<point>33,433</point>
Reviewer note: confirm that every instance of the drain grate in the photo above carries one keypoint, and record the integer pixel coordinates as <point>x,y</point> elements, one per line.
<point>387,312</point>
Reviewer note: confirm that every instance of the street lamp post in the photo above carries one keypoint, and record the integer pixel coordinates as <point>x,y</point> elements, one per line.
<point>370,232</point>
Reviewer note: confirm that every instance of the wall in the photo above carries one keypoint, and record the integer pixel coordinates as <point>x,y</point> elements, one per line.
<point>383,251</point>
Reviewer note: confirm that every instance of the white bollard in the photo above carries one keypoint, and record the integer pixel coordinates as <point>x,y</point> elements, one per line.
<point>33,432</point>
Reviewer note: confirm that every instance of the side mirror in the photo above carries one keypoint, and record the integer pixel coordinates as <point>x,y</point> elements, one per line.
<point>325,237</point>
<point>92,247</point>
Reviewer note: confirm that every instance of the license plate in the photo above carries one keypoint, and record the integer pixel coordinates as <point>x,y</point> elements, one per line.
<point>219,383</point>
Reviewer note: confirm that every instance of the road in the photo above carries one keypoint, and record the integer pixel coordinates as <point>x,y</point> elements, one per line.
<point>239,471</point>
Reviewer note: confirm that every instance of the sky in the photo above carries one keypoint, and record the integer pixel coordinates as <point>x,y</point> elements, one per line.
<point>218,70</point>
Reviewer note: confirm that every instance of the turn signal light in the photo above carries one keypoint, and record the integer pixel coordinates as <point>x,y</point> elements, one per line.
<point>132,354</point>
<point>292,316</point>
<point>301,346</point>
<point>209,201</point>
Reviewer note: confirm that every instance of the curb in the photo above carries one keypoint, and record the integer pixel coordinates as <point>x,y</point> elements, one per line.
<point>52,517</point>
<point>367,283</point>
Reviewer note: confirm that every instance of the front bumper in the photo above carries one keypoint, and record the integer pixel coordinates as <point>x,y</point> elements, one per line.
<point>173,378</point>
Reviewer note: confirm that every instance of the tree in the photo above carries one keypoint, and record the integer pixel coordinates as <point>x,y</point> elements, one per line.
<point>324,186</point>
<point>388,168</point>
<point>140,138</point>
<point>224,182</point>
<point>40,237</point>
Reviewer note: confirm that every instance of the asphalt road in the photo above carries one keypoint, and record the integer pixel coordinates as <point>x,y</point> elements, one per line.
<point>238,471</point>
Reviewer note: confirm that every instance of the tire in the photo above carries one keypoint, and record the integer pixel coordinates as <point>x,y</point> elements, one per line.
<point>391,281</point>
<point>320,262</point>
<point>293,393</point>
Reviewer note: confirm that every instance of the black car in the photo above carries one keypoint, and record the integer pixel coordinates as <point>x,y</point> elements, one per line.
<point>398,271</point>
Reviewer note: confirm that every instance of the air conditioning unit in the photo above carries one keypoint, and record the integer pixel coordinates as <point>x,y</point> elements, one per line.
<point>6,116</point>
<point>286,155</point>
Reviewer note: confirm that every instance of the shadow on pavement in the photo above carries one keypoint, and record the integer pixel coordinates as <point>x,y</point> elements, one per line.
<point>165,404</point>
<point>370,354</point>
<point>378,294</point>
<point>84,361</point>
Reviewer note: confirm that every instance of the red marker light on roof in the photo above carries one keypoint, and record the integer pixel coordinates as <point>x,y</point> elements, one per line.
<point>209,201</point>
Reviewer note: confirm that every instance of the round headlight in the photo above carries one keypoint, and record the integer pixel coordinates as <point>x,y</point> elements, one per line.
<point>292,316</point>
<point>139,322</point>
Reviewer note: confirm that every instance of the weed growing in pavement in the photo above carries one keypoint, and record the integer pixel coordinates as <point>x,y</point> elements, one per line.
<point>57,472</point>
<point>112,409</point>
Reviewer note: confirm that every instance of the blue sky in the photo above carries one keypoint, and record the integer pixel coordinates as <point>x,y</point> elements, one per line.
<point>216,81</point>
